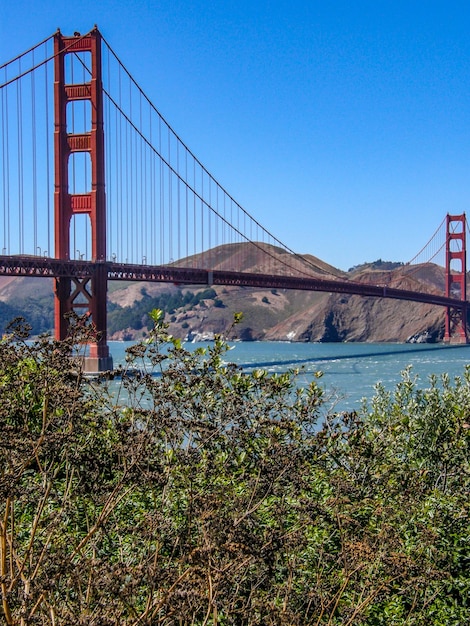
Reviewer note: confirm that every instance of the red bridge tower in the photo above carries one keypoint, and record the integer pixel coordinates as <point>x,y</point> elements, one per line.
<point>84,296</point>
<point>456,278</point>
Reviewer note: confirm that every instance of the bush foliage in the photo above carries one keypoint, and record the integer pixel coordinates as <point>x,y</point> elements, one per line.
<point>209,495</point>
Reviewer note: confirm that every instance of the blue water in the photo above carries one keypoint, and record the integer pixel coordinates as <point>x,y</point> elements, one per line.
<point>350,370</point>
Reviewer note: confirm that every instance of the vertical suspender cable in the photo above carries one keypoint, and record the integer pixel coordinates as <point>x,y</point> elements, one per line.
<point>216,230</point>
<point>120,250</point>
<point>135,208</point>
<point>202,217</point>
<point>162,207</point>
<point>34,164</point>
<point>6,171</point>
<point>231,221</point>
<point>127,182</point>
<point>149,203</point>
<point>135,211</point>
<point>186,201</point>
<point>127,187</point>
<point>224,225</point>
<point>142,177</point>
<point>194,207</point>
<point>152,233</point>
<point>238,237</point>
<point>209,222</point>
<point>3,174</point>
<point>142,189</point>
<point>178,199</point>
<point>108,175</point>
<point>20,164</point>
<point>170,200</point>
<point>48,163</point>
<point>219,225</point>
<point>131,190</point>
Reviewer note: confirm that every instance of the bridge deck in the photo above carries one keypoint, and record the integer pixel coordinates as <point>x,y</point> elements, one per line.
<point>56,268</point>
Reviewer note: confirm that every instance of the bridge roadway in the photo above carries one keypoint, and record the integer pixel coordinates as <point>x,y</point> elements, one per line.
<point>46,267</point>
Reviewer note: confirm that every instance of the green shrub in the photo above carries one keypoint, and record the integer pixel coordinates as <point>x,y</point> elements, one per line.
<point>196,493</point>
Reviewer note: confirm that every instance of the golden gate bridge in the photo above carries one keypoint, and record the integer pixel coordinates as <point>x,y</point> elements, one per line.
<point>96,186</point>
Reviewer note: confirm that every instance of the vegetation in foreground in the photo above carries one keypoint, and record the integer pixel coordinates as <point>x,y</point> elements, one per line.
<point>208,495</point>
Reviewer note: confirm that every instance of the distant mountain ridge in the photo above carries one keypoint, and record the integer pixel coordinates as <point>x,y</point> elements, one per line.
<point>268,314</point>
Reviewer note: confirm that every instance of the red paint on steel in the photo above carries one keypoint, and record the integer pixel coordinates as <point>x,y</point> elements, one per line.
<point>456,278</point>
<point>76,293</point>
<point>75,270</point>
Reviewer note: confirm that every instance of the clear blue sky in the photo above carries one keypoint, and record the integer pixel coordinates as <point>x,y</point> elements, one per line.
<point>343,127</point>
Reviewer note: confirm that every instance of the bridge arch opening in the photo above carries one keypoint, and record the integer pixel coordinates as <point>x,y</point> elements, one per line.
<point>77,67</point>
<point>80,237</point>
<point>78,117</point>
<point>458,226</point>
<point>79,173</point>
<point>455,245</point>
<point>456,266</point>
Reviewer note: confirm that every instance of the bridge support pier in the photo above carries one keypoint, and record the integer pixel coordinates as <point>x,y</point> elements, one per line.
<point>456,331</point>
<point>83,296</point>
<point>75,295</point>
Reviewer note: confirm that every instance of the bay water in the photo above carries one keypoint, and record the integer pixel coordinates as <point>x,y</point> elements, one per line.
<point>350,370</point>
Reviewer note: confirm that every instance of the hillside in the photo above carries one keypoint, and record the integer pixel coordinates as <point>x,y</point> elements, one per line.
<point>279,315</point>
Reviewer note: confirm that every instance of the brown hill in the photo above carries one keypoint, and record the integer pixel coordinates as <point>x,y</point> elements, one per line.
<point>259,257</point>
<point>285,315</point>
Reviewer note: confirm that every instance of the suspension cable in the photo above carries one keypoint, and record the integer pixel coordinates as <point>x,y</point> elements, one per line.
<point>428,242</point>
<point>41,63</point>
<point>199,163</point>
<point>27,52</point>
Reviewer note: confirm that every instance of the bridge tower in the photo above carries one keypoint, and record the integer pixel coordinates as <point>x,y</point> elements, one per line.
<point>83,296</point>
<point>456,278</point>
